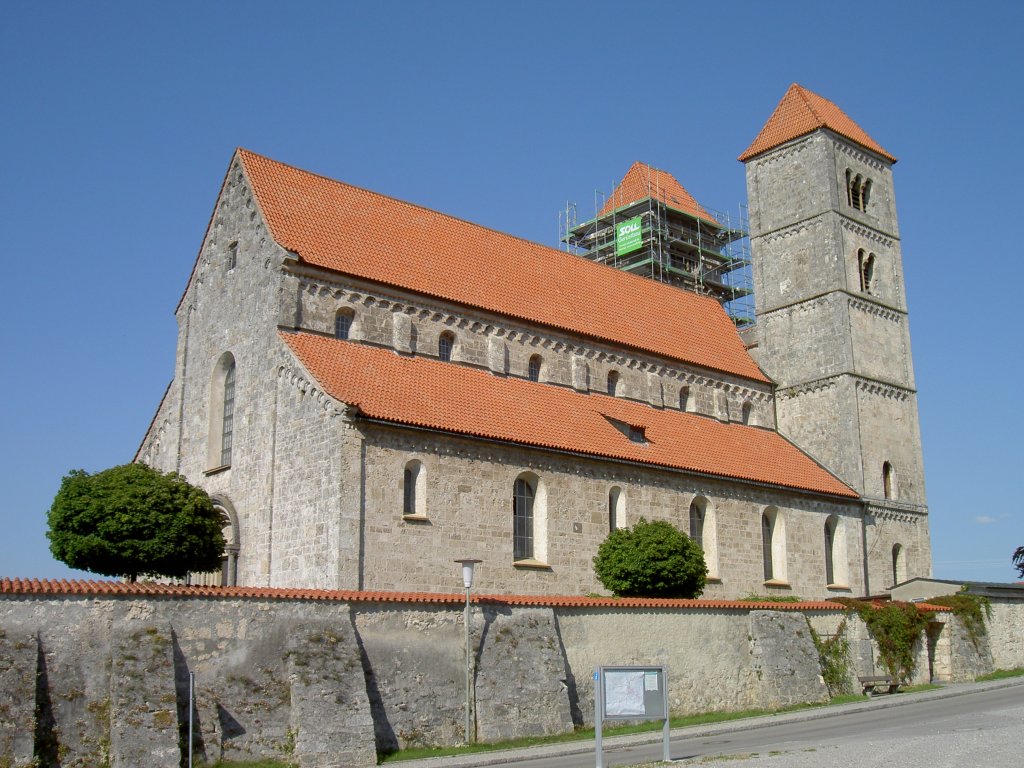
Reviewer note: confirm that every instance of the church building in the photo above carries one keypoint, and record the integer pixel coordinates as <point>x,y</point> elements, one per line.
<point>370,389</point>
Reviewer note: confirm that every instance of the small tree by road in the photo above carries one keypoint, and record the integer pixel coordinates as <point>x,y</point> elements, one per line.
<point>651,559</point>
<point>132,520</point>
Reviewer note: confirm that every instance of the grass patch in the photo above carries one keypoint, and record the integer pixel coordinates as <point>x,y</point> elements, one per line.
<point>587,734</point>
<point>248,764</point>
<point>921,687</point>
<point>1001,674</point>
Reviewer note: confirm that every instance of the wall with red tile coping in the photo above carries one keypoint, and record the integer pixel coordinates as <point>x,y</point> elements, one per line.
<point>113,661</point>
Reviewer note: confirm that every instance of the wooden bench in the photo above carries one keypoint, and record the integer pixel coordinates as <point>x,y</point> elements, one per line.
<point>872,684</point>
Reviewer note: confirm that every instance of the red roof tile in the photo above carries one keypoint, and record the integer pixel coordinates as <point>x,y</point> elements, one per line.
<point>343,228</point>
<point>642,181</point>
<point>13,587</point>
<point>800,112</point>
<point>455,398</point>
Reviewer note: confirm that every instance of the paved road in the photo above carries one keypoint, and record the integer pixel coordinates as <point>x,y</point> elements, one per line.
<point>969,726</point>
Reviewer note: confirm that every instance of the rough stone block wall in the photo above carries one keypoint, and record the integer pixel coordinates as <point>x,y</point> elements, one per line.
<point>1006,634</point>
<point>783,657</point>
<point>18,659</point>
<point>329,705</point>
<point>142,710</point>
<point>521,685</point>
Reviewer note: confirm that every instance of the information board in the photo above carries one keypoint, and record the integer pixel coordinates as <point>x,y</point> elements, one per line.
<point>630,693</point>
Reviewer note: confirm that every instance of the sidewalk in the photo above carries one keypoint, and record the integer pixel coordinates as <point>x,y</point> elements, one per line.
<point>883,701</point>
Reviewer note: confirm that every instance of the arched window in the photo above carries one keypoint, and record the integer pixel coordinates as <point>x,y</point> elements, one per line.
<point>413,490</point>
<point>865,270</point>
<point>445,346</point>
<point>773,545</point>
<point>613,382</point>
<point>697,523</point>
<point>766,546</point>
<point>830,542</point>
<point>523,499</point>
<point>615,508</point>
<point>858,189</point>
<point>745,413</point>
<point>343,323</point>
<point>232,260</point>
<point>684,398</point>
<point>899,564</point>
<point>221,429</point>
<point>889,488</point>
<point>529,518</point>
<point>534,368</point>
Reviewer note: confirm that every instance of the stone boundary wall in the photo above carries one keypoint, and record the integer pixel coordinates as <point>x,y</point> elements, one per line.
<point>102,679</point>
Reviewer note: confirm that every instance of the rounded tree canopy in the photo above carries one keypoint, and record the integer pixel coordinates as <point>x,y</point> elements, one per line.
<point>132,520</point>
<point>651,560</point>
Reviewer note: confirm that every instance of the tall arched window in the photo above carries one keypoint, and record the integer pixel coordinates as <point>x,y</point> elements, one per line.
<point>830,542</point>
<point>343,323</point>
<point>684,398</point>
<point>614,508</point>
<point>534,367</point>
<point>766,547</point>
<point>221,428</point>
<point>523,498</point>
<point>529,519</point>
<point>697,522</point>
<point>889,481</point>
<point>899,564</point>
<point>413,490</point>
<point>745,413</point>
<point>228,419</point>
<point>613,382</point>
<point>773,545</point>
<point>445,346</point>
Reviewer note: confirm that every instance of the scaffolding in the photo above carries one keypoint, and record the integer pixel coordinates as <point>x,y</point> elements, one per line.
<point>708,254</point>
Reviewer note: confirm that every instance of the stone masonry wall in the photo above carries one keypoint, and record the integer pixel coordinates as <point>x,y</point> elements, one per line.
<point>104,680</point>
<point>468,489</point>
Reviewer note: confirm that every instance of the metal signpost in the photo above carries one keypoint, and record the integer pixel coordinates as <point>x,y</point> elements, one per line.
<point>630,693</point>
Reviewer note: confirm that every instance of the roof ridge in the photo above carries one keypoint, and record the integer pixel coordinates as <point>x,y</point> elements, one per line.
<point>434,211</point>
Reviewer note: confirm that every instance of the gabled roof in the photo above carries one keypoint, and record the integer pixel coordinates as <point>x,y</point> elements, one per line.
<point>351,230</point>
<point>642,181</point>
<point>454,398</point>
<point>801,112</point>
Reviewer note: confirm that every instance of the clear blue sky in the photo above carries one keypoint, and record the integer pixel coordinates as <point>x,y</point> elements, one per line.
<point>119,119</point>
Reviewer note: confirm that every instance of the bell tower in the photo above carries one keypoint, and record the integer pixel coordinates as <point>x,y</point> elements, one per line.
<point>832,326</point>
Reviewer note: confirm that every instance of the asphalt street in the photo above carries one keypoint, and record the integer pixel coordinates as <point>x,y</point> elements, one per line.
<point>969,725</point>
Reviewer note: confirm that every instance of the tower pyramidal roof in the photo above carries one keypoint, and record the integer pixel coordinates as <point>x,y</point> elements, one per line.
<point>801,112</point>
<point>642,181</point>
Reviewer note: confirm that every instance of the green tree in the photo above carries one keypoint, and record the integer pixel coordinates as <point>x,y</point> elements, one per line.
<point>132,520</point>
<point>651,560</point>
<point>1018,561</point>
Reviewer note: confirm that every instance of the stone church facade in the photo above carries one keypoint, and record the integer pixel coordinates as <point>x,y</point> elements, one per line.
<point>369,389</point>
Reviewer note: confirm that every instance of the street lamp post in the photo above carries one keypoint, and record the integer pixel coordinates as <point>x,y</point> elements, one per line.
<point>467,582</point>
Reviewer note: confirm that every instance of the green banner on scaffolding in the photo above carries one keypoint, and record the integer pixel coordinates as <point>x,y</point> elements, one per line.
<point>628,236</point>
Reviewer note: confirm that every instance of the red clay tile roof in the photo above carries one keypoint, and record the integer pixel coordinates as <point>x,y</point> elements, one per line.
<point>455,398</point>
<point>800,112</point>
<point>343,228</point>
<point>35,587</point>
<point>641,181</point>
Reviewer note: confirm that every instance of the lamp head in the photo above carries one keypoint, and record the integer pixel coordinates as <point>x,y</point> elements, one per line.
<point>467,571</point>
